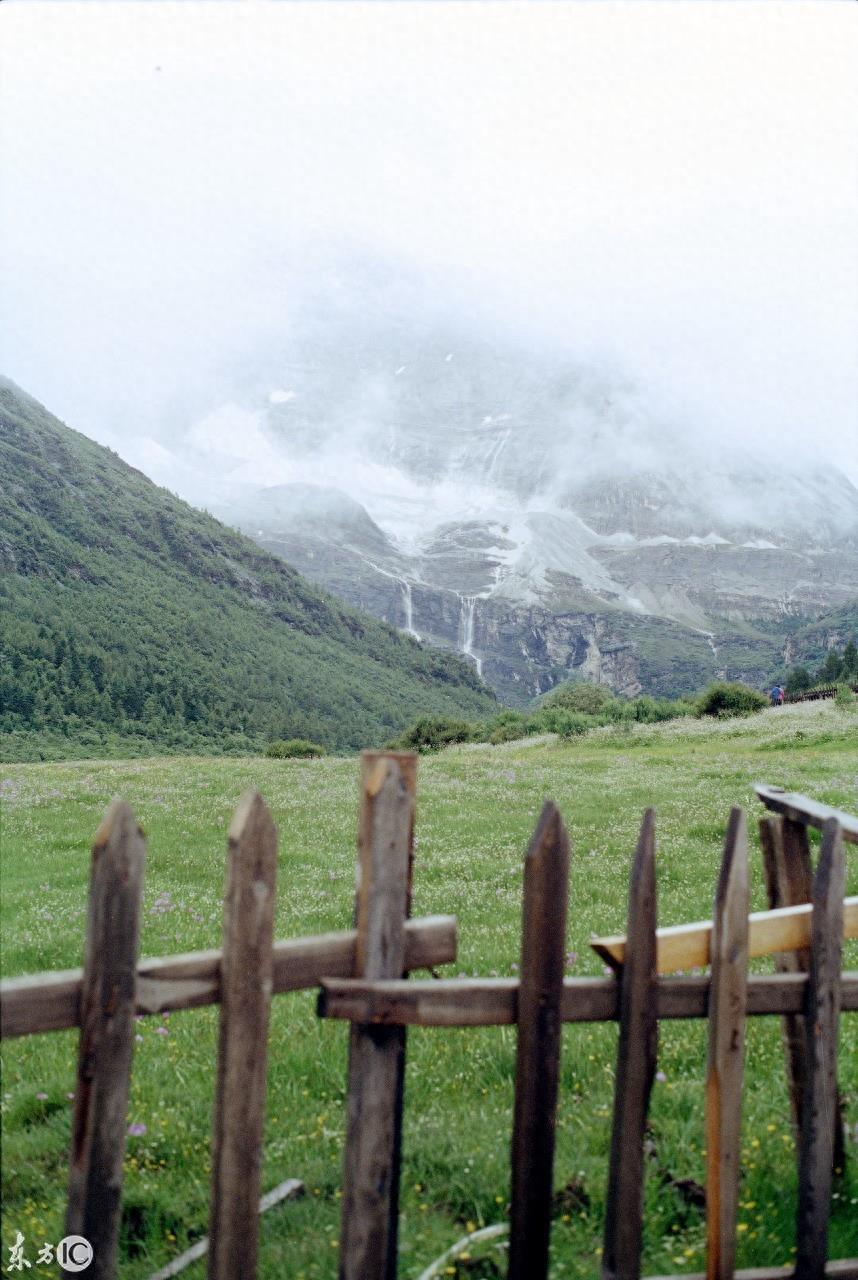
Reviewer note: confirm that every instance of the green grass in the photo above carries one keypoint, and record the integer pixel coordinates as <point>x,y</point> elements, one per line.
<point>476,808</point>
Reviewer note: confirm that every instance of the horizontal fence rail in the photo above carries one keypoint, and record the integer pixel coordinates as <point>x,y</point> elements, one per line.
<point>51,1001</point>
<point>808,813</point>
<point>493,1002</point>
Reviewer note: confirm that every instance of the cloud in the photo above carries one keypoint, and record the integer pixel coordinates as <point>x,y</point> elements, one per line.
<point>665,190</point>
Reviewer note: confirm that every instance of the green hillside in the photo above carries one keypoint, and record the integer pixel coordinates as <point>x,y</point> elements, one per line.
<point>130,621</point>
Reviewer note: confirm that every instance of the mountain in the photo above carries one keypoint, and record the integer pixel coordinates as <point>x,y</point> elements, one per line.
<point>544,519</point>
<point>131,620</point>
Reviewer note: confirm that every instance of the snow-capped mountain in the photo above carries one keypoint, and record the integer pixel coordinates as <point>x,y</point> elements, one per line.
<point>543,519</point>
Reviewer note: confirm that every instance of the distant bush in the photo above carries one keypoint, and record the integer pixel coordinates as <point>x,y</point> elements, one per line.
<point>577,695</point>
<point>844,697</point>
<point>508,726</point>
<point>725,698</point>
<point>571,724</point>
<point>431,733</point>
<point>294,749</point>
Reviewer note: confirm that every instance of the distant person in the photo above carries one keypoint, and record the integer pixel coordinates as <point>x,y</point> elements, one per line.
<point>776,696</point>
<point>781,695</point>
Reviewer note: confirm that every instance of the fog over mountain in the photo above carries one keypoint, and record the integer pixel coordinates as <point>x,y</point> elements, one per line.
<point>530,328</point>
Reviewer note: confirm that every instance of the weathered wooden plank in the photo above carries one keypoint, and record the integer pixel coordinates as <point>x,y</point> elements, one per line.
<point>368,1239</point>
<point>841,1269</point>
<point>789,881</point>
<point>106,1046</point>
<point>726,1059</point>
<point>51,1001</point>
<point>239,1112</point>
<point>636,1057</point>
<point>807,812</point>
<point>492,1002</point>
<point>689,946</point>
<point>543,947</point>
<point>820,1097</point>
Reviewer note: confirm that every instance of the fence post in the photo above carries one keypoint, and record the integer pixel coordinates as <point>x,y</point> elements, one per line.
<point>239,1111</point>
<point>789,882</point>
<point>727,1005</point>
<point>543,942</point>
<point>106,1044</point>
<point>820,1100</point>
<point>636,1057</point>
<point>368,1244</point>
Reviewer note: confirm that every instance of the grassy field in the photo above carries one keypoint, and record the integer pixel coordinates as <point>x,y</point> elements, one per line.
<point>476,809</point>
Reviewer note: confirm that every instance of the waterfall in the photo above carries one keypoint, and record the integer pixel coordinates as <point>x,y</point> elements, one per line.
<point>408,605</point>
<point>466,630</point>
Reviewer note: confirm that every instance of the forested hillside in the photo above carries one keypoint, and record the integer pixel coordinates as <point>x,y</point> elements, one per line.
<point>131,621</point>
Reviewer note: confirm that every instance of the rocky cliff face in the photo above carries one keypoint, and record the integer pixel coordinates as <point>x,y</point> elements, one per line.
<point>544,521</point>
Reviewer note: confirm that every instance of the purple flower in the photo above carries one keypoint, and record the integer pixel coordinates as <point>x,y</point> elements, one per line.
<point>513,966</point>
<point>161,1031</point>
<point>139,1039</point>
<point>70,1097</point>
<point>660,1076</point>
<point>136,1130</point>
<point>43,1097</point>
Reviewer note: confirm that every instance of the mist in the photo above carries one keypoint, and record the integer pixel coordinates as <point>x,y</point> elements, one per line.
<point>403,249</point>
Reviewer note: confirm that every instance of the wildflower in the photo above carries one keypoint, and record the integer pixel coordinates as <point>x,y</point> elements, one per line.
<point>660,1076</point>
<point>43,1097</point>
<point>136,1130</point>
<point>161,1031</point>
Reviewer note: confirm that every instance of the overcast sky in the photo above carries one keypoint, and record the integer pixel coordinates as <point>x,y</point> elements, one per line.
<point>672,187</point>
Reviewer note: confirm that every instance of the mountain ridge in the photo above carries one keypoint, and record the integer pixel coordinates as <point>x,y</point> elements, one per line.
<point>128,613</point>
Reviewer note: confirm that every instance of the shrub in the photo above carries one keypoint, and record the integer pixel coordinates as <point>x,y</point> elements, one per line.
<point>590,699</point>
<point>294,749</point>
<point>844,696</point>
<point>571,724</point>
<point>724,699</point>
<point>431,733</point>
<point>508,726</point>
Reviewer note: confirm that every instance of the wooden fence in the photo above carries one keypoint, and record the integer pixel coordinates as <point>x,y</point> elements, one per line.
<point>360,976</point>
<point>825,691</point>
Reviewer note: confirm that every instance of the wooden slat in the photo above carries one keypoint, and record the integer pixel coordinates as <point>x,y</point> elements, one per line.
<point>841,1269</point>
<point>106,1044</point>
<point>492,1002</point>
<point>543,950</point>
<point>820,1097</point>
<point>726,1060</point>
<point>788,883</point>
<point>248,931</point>
<point>636,1057</point>
<point>689,946</point>
<point>368,1239</point>
<point>808,812</point>
<point>51,1001</point>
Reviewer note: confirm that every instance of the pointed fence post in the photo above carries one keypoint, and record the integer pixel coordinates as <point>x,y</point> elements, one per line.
<point>636,1057</point>
<point>820,1099</point>
<point>546,888</point>
<point>727,1005</point>
<point>239,1113</point>
<point>106,1045</point>
<point>369,1235</point>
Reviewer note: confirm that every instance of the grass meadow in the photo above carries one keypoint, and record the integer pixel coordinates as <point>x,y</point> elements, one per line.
<point>476,809</point>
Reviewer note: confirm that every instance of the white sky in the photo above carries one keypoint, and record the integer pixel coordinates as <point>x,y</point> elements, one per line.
<point>674,185</point>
